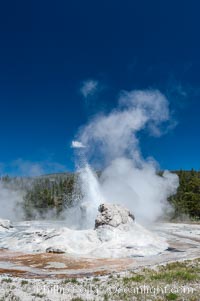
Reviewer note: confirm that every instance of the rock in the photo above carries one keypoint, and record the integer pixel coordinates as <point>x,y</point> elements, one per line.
<point>113,215</point>
<point>5,224</point>
<point>54,250</point>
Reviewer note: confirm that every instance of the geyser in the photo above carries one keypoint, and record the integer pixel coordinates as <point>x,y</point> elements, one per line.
<point>126,184</point>
<point>111,142</point>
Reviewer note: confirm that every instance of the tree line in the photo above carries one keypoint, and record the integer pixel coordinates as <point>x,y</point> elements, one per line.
<point>59,192</point>
<point>186,201</point>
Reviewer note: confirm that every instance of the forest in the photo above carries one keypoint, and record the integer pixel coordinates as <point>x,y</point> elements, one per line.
<point>57,192</point>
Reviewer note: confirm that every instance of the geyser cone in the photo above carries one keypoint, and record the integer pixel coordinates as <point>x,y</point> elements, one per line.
<point>116,235</point>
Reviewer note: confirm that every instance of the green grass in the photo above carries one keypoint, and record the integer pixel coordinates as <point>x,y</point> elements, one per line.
<point>95,279</point>
<point>38,295</point>
<point>105,297</point>
<point>171,296</point>
<point>70,280</point>
<point>176,272</point>
<point>136,278</point>
<point>24,282</point>
<point>7,280</point>
<point>174,276</point>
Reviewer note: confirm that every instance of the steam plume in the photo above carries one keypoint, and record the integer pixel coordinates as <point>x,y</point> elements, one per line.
<point>10,200</point>
<point>126,178</point>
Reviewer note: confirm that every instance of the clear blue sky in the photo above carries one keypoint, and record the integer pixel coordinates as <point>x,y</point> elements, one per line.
<point>48,48</point>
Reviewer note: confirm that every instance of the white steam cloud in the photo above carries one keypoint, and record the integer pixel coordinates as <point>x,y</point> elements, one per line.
<point>89,87</point>
<point>27,168</point>
<point>127,178</point>
<point>10,200</point>
<point>11,195</point>
<point>115,134</point>
<point>77,144</point>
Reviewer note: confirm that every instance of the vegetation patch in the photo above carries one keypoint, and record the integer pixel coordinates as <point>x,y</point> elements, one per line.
<point>55,193</point>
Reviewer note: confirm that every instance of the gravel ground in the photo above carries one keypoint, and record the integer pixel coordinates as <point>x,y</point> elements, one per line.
<point>171,275</point>
<point>174,281</point>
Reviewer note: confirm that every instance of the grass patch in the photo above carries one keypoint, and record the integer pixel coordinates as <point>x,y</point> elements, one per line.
<point>70,280</point>
<point>136,278</point>
<point>38,295</point>
<point>172,276</point>
<point>177,271</point>
<point>95,279</point>
<point>24,282</point>
<point>7,280</point>
<point>105,297</point>
<point>171,296</point>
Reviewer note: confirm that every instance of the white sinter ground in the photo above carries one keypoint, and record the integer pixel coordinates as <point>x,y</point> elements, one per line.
<point>116,235</point>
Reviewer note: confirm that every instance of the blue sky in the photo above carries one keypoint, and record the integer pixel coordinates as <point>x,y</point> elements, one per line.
<point>49,51</point>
